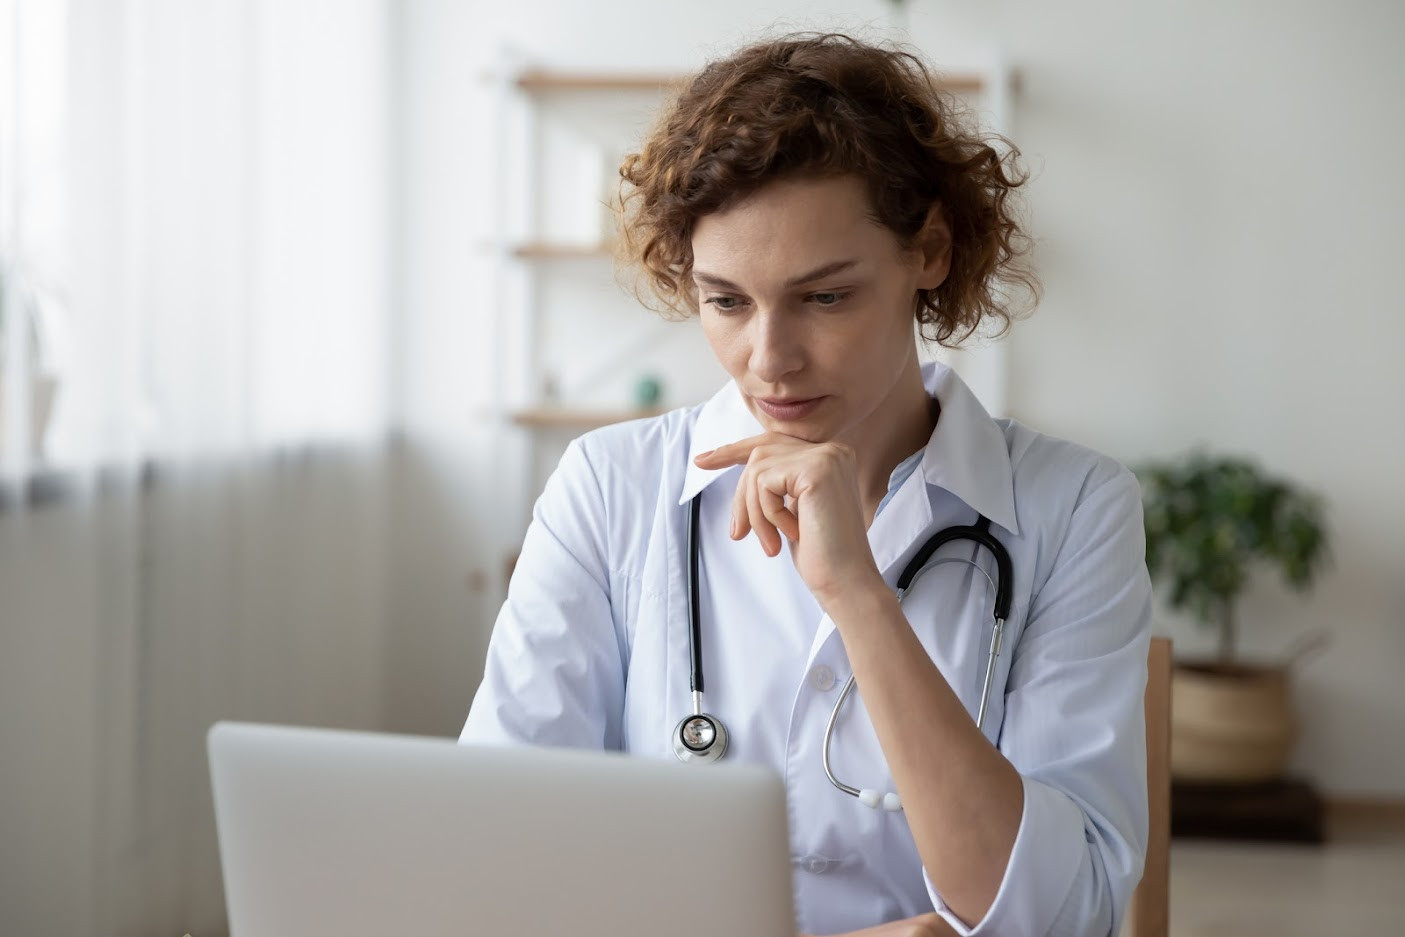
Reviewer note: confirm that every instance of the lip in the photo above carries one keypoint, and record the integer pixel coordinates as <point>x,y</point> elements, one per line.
<point>788,408</point>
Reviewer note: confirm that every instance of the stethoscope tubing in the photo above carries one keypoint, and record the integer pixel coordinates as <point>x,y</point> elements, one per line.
<point>980,533</point>
<point>996,639</point>
<point>698,737</point>
<point>695,675</point>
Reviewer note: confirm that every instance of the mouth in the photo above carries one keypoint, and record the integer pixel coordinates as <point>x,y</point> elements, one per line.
<point>788,408</point>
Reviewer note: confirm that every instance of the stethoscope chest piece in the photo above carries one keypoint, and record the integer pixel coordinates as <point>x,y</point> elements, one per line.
<point>700,737</point>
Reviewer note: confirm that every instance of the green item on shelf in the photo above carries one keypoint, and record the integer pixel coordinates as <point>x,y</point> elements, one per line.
<point>648,391</point>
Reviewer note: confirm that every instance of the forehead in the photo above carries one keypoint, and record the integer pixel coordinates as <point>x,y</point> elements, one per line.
<point>789,225</point>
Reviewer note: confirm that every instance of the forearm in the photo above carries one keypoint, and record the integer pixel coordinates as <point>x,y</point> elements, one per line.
<point>962,798</point>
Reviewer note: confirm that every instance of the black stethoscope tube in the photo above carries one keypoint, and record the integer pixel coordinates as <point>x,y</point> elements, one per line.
<point>695,676</point>
<point>698,736</point>
<point>980,533</point>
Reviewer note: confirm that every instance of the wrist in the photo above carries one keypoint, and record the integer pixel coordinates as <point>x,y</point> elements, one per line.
<point>858,601</point>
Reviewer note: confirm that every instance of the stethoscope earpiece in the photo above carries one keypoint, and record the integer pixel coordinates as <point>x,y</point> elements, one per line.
<point>890,802</point>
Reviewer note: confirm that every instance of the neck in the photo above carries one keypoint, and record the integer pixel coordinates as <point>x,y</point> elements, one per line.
<point>901,426</point>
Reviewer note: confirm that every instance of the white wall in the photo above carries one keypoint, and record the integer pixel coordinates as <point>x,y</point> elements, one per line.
<point>1222,218</point>
<point>1217,204</point>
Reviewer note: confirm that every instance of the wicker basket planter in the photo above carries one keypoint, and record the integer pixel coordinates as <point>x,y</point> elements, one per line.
<point>1231,723</point>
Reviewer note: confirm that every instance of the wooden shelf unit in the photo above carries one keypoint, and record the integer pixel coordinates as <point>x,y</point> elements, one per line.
<point>568,418</point>
<point>540,81</point>
<point>542,250</point>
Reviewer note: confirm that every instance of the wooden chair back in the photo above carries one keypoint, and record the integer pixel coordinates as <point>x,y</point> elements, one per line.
<point>1149,915</point>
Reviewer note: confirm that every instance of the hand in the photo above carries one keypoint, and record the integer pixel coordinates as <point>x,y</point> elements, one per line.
<point>808,493</point>
<point>924,925</point>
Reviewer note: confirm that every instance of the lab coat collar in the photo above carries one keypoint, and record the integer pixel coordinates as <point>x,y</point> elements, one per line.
<point>721,420</point>
<point>967,454</point>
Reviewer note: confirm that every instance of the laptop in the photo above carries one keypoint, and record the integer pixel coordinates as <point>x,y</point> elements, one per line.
<point>352,834</point>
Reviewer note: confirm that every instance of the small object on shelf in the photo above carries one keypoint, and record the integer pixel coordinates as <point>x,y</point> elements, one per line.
<point>550,389</point>
<point>648,391</point>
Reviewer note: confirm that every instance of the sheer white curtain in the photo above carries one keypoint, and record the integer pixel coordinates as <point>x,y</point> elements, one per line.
<point>195,218</point>
<point>230,166</point>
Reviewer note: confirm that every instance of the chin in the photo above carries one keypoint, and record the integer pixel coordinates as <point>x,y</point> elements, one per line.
<point>804,433</point>
<point>812,429</point>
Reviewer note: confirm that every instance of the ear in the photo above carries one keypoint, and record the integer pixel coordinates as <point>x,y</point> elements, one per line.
<point>933,243</point>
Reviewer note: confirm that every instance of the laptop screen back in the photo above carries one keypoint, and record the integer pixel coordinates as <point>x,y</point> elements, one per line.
<point>359,834</point>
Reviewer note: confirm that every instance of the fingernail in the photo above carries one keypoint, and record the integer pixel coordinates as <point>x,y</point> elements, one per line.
<point>703,455</point>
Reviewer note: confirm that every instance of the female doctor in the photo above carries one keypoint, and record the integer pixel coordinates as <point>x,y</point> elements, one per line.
<point>810,198</point>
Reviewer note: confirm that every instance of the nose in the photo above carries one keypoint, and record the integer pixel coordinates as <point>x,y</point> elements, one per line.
<point>777,347</point>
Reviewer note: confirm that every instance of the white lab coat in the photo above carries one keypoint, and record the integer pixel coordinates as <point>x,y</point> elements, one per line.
<point>591,650</point>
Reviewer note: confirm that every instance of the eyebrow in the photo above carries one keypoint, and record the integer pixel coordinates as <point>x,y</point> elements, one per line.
<point>828,269</point>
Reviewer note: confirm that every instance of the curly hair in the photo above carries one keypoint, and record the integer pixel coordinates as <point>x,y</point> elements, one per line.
<point>827,104</point>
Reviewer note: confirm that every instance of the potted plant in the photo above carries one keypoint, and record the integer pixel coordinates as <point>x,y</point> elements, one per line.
<point>1209,521</point>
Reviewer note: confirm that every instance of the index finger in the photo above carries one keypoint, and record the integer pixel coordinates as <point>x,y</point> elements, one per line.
<point>733,453</point>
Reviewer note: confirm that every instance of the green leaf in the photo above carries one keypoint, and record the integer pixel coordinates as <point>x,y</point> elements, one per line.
<point>1210,520</point>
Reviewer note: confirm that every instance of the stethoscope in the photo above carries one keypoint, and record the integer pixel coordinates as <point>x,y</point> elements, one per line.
<point>702,737</point>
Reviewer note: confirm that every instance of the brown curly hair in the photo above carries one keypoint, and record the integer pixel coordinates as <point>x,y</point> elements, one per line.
<point>823,104</point>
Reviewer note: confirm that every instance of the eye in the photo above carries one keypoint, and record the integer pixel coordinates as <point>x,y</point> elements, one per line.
<point>828,299</point>
<point>722,303</point>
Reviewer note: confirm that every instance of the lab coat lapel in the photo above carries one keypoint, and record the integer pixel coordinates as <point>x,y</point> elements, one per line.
<point>723,419</point>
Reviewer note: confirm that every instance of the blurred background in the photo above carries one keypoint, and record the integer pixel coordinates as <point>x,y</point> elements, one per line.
<point>301,299</point>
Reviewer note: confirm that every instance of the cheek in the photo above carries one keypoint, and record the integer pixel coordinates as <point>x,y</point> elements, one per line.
<point>876,335</point>
<point>728,343</point>
<point>876,348</point>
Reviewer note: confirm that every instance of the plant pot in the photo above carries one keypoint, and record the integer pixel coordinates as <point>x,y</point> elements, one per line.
<point>1230,723</point>
<point>41,402</point>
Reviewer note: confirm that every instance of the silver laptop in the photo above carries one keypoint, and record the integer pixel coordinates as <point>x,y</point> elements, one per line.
<point>356,834</point>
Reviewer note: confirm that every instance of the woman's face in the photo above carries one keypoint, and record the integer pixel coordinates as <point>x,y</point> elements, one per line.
<point>808,304</point>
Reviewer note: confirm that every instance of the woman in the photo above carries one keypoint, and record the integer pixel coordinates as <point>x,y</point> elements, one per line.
<point>808,198</point>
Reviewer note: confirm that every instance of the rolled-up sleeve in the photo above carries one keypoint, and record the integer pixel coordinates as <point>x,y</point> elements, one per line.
<point>1074,728</point>
<point>554,673</point>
